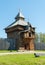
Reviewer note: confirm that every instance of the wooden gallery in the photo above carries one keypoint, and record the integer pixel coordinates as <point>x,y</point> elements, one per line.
<point>22,33</point>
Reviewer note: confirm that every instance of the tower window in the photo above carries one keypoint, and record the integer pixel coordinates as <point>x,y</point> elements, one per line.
<point>29,34</point>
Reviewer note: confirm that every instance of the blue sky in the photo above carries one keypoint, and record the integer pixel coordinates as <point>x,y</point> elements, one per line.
<point>34,10</point>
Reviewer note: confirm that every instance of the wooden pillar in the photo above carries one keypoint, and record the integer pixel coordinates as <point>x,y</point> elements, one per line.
<point>31,44</point>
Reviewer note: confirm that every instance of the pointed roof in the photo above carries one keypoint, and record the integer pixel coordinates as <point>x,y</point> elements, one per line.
<point>19,15</point>
<point>20,20</point>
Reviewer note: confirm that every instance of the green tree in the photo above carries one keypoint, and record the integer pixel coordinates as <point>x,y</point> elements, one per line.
<point>36,37</point>
<point>42,37</point>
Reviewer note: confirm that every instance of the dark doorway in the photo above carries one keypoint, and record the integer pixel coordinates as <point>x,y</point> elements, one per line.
<point>26,46</point>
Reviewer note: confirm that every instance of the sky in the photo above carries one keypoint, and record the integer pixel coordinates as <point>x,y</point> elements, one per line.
<point>33,10</point>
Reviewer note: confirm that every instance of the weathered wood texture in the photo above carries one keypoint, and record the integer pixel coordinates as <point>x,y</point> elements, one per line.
<point>22,32</point>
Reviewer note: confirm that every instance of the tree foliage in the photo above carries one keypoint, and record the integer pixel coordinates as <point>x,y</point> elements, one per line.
<point>40,37</point>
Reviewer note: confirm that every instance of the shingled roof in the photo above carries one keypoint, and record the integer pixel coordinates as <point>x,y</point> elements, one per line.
<point>19,20</point>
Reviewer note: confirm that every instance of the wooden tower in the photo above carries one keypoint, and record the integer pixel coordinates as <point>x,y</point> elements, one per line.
<point>22,32</point>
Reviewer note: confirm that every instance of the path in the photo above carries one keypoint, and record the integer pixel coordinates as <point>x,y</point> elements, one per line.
<point>25,52</point>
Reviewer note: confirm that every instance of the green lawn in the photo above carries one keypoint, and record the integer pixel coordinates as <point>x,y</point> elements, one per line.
<point>6,51</point>
<point>22,59</point>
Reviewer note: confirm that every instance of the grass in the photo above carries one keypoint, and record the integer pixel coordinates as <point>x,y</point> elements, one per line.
<point>22,59</point>
<point>40,50</point>
<point>5,51</point>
